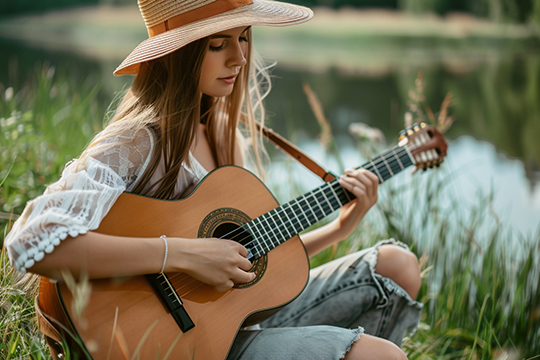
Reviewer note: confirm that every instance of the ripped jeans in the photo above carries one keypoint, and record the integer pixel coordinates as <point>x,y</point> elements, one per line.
<point>342,300</point>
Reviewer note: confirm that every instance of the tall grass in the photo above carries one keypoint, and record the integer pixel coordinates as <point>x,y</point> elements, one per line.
<point>43,125</point>
<point>480,278</point>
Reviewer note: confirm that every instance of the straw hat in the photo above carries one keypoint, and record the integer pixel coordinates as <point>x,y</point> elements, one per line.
<point>172,24</point>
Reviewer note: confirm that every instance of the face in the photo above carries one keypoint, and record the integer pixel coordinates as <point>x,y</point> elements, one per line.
<point>223,61</point>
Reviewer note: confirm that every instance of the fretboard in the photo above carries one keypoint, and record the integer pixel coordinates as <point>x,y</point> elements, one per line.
<point>282,223</point>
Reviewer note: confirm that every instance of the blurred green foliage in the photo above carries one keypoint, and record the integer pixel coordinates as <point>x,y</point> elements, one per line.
<point>496,10</point>
<point>8,8</point>
<point>43,125</point>
<point>480,289</point>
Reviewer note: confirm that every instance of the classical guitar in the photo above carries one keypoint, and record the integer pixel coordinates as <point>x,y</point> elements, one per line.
<point>174,315</point>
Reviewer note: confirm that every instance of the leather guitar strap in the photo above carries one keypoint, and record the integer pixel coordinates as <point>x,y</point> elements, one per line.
<point>290,149</point>
<point>52,335</point>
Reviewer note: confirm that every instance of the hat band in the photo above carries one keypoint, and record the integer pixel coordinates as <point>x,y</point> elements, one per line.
<point>214,8</point>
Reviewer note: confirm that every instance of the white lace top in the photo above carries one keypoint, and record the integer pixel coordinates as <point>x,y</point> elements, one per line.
<point>85,193</point>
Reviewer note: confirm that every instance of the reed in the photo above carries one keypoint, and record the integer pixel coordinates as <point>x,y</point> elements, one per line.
<point>480,277</point>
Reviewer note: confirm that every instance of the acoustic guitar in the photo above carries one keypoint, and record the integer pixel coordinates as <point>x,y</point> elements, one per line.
<point>173,315</point>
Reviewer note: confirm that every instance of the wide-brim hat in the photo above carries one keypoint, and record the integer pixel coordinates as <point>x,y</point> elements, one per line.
<point>173,24</point>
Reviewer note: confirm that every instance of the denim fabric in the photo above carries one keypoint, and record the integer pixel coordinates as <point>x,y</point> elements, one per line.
<point>342,299</point>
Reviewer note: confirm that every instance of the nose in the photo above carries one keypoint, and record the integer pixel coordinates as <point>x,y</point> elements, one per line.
<point>237,55</point>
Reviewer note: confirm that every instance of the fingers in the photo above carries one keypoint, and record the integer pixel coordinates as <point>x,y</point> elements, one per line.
<point>239,267</point>
<point>360,182</point>
<point>243,251</point>
<point>242,277</point>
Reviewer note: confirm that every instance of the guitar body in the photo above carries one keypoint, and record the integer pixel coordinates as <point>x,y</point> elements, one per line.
<point>132,318</point>
<point>126,319</point>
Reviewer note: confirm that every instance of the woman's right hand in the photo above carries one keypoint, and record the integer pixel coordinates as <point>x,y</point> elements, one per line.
<point>217,262</point>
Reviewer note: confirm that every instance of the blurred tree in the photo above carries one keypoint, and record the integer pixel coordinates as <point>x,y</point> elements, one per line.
<point>496,10</point>
<point>8,8</point>
<point>535,14</point>
<point>418,6</point>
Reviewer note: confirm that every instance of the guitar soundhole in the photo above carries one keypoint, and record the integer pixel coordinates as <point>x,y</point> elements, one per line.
<point>226,223</point>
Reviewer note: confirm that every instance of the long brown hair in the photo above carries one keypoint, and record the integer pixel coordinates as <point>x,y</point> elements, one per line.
<point>165,97</point>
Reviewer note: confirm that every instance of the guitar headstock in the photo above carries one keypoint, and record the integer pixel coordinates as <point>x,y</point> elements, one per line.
<point>425,143</point>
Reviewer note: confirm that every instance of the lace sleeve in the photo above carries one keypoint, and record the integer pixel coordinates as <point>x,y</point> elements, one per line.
<point>81,198</point>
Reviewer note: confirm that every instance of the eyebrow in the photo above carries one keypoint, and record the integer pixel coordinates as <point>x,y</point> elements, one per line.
<point>223,36</point>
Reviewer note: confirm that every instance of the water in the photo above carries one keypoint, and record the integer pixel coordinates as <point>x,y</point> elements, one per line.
<point>493,146</point>
<point>496,111</point>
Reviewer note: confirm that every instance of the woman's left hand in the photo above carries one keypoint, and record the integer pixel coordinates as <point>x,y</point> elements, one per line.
<point>363,184</point>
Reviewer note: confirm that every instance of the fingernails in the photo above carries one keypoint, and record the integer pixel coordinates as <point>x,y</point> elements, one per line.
<point>349,171</point>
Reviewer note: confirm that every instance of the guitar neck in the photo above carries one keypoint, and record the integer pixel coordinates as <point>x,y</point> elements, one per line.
<point>282,223</point>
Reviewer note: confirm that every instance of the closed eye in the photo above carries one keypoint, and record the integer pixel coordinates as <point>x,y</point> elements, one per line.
<point>217,48</point>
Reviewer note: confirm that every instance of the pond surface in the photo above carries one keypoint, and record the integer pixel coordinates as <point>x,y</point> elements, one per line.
<point>494,143</point>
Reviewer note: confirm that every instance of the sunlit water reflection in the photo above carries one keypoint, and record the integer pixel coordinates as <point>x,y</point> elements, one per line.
<point>497,102</point>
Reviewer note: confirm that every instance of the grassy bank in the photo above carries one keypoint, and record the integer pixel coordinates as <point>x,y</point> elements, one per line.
<point>480,278</point>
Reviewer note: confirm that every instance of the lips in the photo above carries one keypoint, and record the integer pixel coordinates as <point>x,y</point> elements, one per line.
<point>229,79</point>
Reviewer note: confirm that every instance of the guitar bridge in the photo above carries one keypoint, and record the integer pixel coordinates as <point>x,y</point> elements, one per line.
<point>167,293</point>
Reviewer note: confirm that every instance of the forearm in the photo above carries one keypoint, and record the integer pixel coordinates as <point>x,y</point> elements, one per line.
<point>217,262</point>
<point>319,239</point>
<point>363,185</point>
<point>104,256</point>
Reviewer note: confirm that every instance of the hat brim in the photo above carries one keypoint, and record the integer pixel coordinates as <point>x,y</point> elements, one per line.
<point>260,12</point>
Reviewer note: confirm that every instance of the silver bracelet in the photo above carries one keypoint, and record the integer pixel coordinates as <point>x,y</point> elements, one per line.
<point>166,253</point>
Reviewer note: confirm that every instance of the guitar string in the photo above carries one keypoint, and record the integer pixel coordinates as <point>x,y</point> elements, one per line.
<point>326,206</point>
<point>320,190</point>
<point>372,164</point>
<point>312,195</point>
<point>365,166</point>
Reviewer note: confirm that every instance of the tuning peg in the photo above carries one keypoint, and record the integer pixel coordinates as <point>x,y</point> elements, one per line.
<point>409,130</point>
<point>402,135</point>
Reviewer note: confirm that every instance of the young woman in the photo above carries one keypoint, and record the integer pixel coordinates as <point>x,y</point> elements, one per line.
<point>196,81</point>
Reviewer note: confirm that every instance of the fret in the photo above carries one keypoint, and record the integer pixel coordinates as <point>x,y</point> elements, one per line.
<point>344,192</point>
<point>388,166</point>
<point>308,205</point>
<point>308,222</point>
<point>331,195</point>
<point>318,204</point>
<point>287,223</point>
<point>291,214</point>
<point>384,170</point>
<point>257,237</point>
<point>262,234</point>
<point>283,224</point>
<point>290,221</point>
<point>397,158</point>
<point>377,172</point>
<point>276,227</point>
<point>326,199</point>
<point>331,186</point>
<point>395,167</point>
<point>410,156</point>
<point>254,243</point>
<point>271,230</point>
